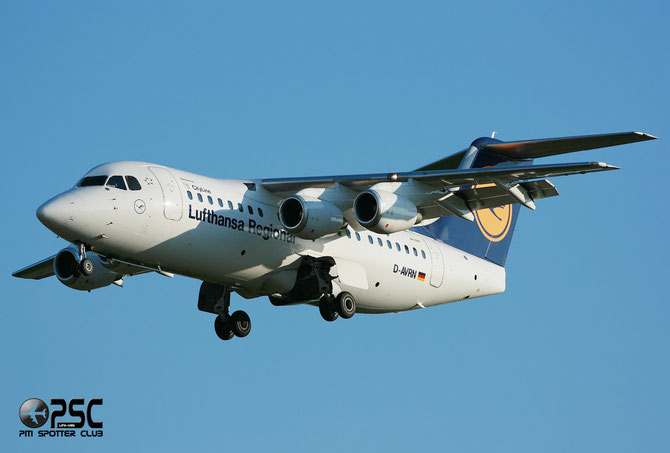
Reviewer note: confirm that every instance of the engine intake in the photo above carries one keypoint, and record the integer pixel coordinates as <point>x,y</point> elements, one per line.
<point>384,212</point>
<point>308,217</point>
<point>66,268</point>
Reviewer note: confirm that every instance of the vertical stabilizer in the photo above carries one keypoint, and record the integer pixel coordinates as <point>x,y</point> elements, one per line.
<point>489,235</point>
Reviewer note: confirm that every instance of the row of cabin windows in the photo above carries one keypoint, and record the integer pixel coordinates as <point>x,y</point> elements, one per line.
<point>116,181</point>
<point>240,208</point>
<point>388,244</point>
<point>210,200</point>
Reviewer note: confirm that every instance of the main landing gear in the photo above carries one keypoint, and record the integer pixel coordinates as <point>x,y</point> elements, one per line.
<point>216,299</point>
<point>344,305</point>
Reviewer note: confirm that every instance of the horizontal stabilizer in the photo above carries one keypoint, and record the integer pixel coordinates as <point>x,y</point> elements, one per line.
<point>532,149</point>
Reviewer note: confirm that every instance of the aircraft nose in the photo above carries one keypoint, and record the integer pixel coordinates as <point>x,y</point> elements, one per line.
<point>55,213</point>
<point>50,213</point>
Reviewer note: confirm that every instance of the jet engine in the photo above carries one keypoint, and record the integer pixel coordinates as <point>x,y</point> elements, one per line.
<point>384,212</point>
<point>308,217</point>
<point>66,268</point>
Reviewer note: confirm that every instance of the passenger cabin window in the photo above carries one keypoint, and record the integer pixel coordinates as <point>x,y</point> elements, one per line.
<point>200,197</point>
<point>260,212</point>
<point>190,195</point>
<point>389,244</point>
<point>230,205</point>
<point>381,243</point>
<point>92,181</point>
<point>358,236</point>
<point>415,252</point>
<point>220,202</point>
<point>210,199</point>
<point>407,250</point>
<point>423,254</point>
<point>251,210</point>
<point>348,234</point>
<point>240,207</point>
<point>117,181</point>
<point>397,246</point>
<point>133,183</point>
<point>370,239</point>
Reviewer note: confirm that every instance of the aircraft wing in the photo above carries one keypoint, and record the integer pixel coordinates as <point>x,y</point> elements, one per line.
<point>39,270</point>
<point>45,268</point>
<point>442,179</point>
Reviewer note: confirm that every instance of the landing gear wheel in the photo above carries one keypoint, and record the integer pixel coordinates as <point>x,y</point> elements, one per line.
<point>345,305</point>
<point>327,309</point>
<point>86,267</point>
<point>241,323</point>
<point>223,329</point>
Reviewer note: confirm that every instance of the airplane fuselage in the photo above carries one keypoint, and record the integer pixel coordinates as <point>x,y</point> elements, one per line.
<point>228,232</point>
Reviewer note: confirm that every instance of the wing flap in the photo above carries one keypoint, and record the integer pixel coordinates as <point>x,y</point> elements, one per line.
<point>493,196</point>
<point>490,196</point>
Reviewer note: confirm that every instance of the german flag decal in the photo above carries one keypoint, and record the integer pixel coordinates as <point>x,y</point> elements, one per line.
<point>421,277</point>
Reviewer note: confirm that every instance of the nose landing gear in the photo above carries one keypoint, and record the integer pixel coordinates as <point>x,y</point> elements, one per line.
<point>85,265</point>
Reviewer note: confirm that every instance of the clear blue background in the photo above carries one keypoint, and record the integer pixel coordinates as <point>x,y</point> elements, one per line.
<point>572,357</point>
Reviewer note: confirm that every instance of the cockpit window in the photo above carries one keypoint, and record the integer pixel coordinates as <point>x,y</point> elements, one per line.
<point>117,181</point>
<point>92,181</point>
<point>133,183</point>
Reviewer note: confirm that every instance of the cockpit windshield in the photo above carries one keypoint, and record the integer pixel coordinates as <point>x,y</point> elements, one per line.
<point>92,181</point>
<point>117,181</point>
<point>133,183</point>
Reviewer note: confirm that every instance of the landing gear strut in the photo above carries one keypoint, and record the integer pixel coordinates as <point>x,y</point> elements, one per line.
<point>327,308</point>
<point>85,265</point>
<point>216,299</point>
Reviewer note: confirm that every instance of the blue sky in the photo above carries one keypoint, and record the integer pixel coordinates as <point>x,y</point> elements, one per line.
<point>573,356</point>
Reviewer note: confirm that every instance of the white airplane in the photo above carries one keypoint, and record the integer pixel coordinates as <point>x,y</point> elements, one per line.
<point>374,243</point>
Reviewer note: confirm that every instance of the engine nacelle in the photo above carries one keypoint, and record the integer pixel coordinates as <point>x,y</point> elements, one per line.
<point>384,212</point>
<point>66,268</point>
<point>308,217</point>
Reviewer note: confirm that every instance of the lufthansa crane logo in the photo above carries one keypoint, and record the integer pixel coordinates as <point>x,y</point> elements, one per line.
<point>140,206</point>
<point>494,223</point>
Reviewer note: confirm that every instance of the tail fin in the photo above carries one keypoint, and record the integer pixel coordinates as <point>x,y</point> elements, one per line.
<point>490,235</point>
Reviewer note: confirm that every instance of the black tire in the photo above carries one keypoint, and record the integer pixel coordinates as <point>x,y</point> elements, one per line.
<point>86,267</point>
<point>345,305</point>
<point>223,329</point>
<point>276,301</point>
<point>241,323</point>
<point>327,309</point>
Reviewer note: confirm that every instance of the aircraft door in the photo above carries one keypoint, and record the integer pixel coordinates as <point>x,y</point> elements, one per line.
<point>437,263</point>
<point>172,202</point>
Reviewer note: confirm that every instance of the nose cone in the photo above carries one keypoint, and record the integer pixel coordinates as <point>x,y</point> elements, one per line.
<point>56,213</point>
<point>52,213</point>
